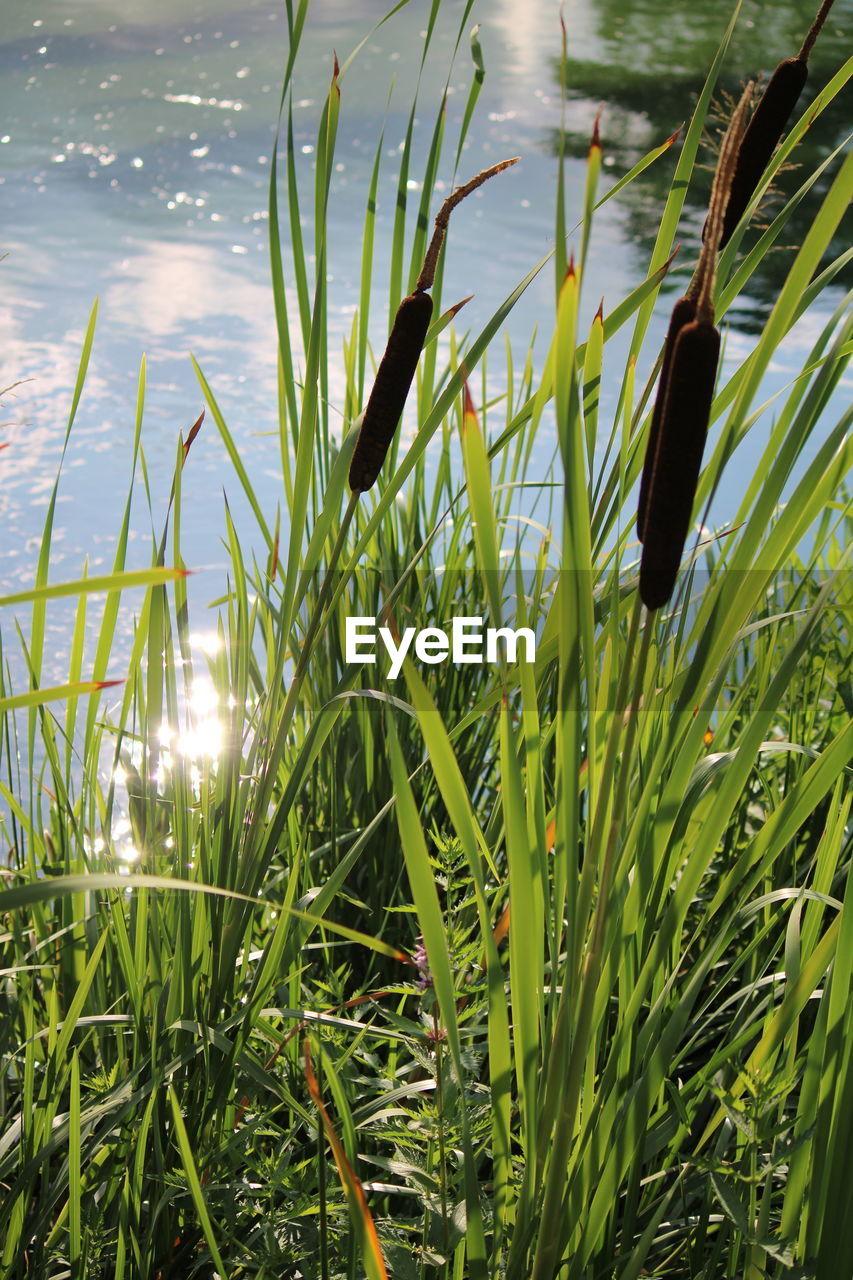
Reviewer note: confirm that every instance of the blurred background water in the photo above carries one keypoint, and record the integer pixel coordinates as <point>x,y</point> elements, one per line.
<point>135,145</point>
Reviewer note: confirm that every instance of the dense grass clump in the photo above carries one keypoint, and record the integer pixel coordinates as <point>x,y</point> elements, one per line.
<point>528,970</point>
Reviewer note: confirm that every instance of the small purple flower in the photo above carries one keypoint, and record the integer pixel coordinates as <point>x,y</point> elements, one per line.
<point>419,956</point>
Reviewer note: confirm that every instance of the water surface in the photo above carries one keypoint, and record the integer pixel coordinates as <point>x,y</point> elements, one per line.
<point>134,162</point>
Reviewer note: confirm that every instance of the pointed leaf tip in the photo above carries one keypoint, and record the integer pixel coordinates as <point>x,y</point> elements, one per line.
<point>599,315</point>
<point>470,410</point>
<point>107,684</point>
<point>595,140</point>
<point>666,265</point>
<point>673,138</point>
<point>457,306</point>
<point>193,432</point>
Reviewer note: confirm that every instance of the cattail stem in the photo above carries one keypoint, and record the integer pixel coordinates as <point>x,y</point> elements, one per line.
<point>584,989</point>
<point>427,276</point>
<point>317,615</point>
<point>814,31</point>
<point>323,593</point>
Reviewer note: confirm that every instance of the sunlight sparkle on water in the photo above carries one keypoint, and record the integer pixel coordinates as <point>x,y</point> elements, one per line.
<point>203,698</point>
<point>194,745</point>
<point>206,739</point>
<point>210,642</point>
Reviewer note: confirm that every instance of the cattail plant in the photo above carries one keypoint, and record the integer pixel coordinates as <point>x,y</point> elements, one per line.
<point>405,343</point>
<point>683,313</point>
<point>683,406</point>
<point>767,126</point>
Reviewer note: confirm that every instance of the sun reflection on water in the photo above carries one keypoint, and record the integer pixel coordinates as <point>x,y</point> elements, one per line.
<point>194,746</point>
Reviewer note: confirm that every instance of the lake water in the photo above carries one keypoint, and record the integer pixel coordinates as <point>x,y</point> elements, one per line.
<point>135,145</point>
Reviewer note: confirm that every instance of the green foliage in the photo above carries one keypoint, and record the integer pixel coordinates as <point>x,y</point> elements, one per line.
<point>572,942</point>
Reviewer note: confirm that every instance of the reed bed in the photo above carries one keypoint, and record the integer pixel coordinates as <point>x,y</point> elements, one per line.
<point>535,970</point>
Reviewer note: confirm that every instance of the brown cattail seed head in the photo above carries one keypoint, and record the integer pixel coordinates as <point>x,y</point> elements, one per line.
<point>388,397</point>
<point>678,459</point>
<point>682,313</point>
<point>683,405</point>
<point>768,124</point>
<point>762,136</point>
<point>405,343</point>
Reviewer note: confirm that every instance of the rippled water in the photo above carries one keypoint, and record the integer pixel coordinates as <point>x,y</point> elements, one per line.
<point>134,160</point>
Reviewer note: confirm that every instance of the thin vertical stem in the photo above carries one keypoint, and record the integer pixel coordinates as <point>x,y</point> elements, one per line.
<point>442,1162</point>
<point>814,31</point>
